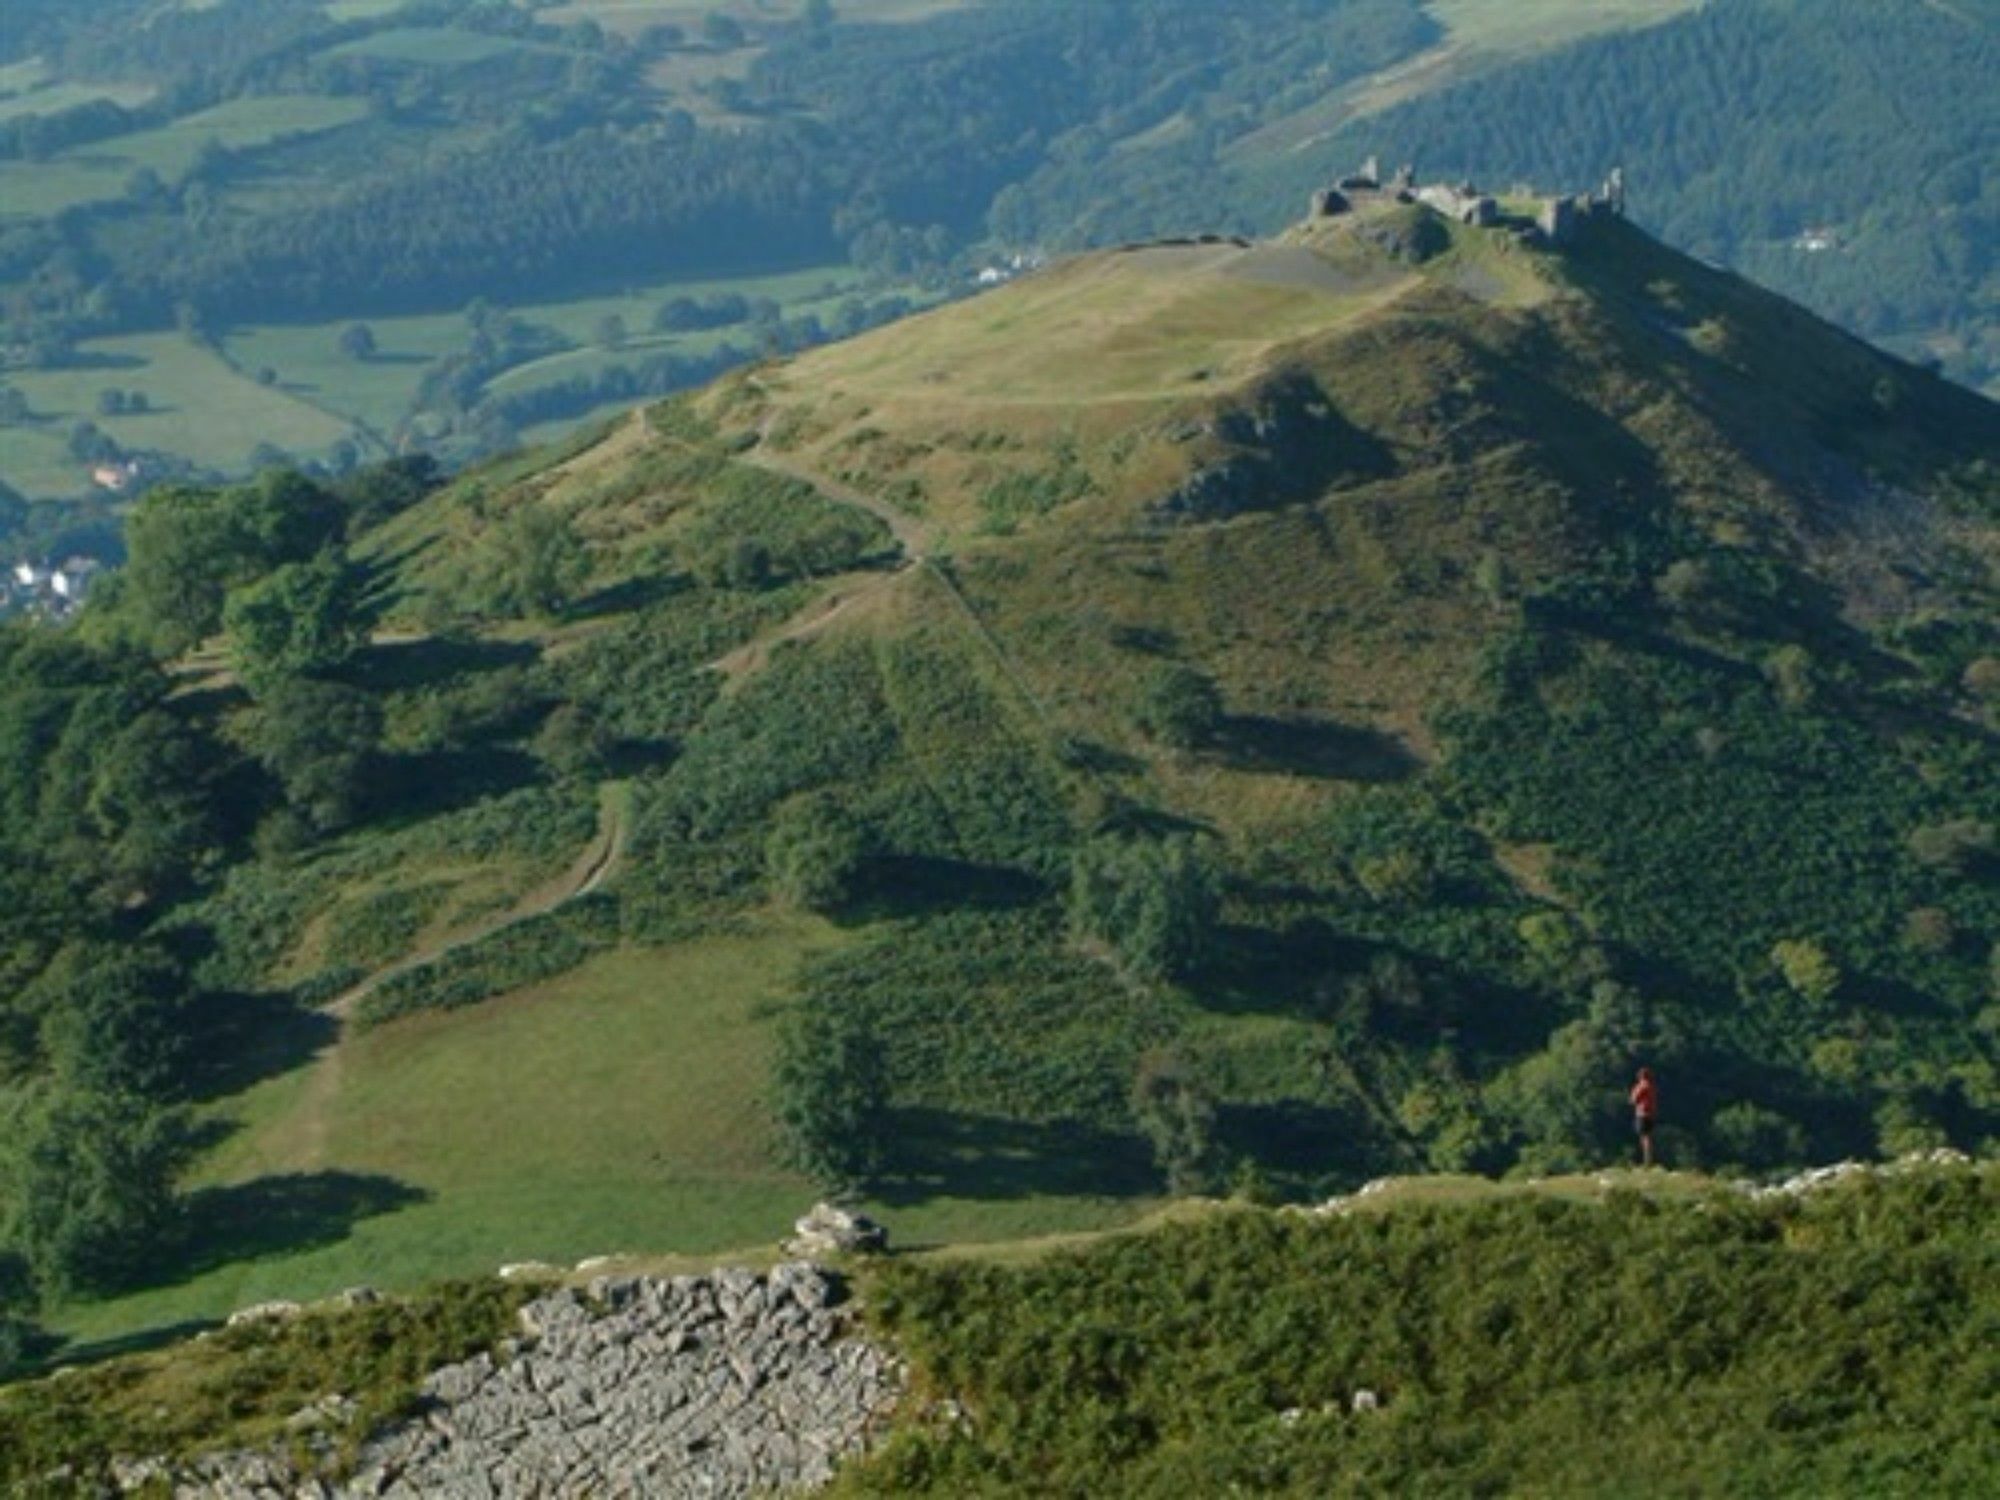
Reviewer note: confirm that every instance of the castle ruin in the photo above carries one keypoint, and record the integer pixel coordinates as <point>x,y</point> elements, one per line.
<point>1556,220</point>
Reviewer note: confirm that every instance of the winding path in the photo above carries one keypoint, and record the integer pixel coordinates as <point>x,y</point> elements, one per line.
<point>591,869</point>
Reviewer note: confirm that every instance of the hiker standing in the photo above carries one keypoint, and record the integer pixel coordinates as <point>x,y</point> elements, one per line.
<point>1645,1107</point>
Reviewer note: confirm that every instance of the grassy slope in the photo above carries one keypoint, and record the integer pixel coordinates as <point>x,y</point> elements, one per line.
<point>1522,1344</point>
<point>1507,406</point>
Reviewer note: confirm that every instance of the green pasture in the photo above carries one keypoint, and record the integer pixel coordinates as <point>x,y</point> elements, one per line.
<point>364,10</point>
<point>620,1109</point>
<point>631,16</point>
<point>199,406</point>
<point>27,88</point>
<point>1520,28</point>
<point>378,391</point>
<point>100,170</point>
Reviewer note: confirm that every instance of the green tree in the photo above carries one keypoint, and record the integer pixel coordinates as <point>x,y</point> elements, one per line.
<point>319,739</point>
<point>573,742</point>
<point>533,564</point>
<point>723,32</point>
<point>112,1019</point>
<point>610,332</point>
<point>1179,707</point>
<point>1755,1139</point>
<point>812,853</point>
<point>357,341</point>
<point>1175,1111</point>
<point>832,1093</point>
<point>1153,902</point>
<point>1807,968</point>
<point>184,549</point>
<point>90,1187</point>
<point>300,620</point>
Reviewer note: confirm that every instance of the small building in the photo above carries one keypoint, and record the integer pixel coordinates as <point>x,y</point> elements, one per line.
<point>115,477</point>
<point>30,575</point>
<point>72,580</point>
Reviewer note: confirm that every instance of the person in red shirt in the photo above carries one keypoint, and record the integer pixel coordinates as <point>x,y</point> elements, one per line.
<point>1645,1107</point>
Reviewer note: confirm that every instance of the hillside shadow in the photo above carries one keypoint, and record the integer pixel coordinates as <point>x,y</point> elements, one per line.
<point>936,1153</point>
<point>632,594</point>
<point>1317,748</point>
<point>411,786</point>
<point>235,1040</point>
<point>907,884</point>
<point>1098,759</point>
<point>394,665</point>
<point>1309,1144</point>
<point>280,1215</point>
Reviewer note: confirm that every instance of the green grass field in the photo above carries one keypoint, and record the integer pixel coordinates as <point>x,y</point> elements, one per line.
<point>1523,27</point>
<point>199,407</point>
<point>99,171</point>
<point>631,16</point>
<point>618,1110</point>
<point>378,391</point>
<point>1126,334</point>
<point>26,88</point>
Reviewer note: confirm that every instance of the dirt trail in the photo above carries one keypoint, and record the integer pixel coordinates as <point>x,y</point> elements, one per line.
<point>751,656</point>
<point>599,861</point>
<point>910,534</point>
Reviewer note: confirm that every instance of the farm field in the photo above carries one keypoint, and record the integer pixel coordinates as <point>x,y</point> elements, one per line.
<point>629,16</point>
<point>211,411</point>
<point>198,406</point>
<point>99,171</point>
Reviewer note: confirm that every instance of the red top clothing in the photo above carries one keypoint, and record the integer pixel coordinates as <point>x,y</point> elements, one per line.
<point>1645,1098</point>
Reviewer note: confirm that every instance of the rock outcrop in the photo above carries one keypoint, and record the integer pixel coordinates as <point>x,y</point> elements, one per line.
<point>731,1384</point>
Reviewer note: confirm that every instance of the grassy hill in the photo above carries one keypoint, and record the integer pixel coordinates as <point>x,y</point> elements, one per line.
<point>1206,715</point>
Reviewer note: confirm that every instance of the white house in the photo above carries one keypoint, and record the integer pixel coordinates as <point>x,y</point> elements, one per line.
<point>73,579</point>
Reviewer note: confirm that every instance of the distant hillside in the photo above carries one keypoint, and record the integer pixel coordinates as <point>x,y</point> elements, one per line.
<point>250,233</point>
<point>1207,715</point>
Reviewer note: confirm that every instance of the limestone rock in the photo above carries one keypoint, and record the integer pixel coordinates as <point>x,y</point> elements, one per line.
<point>828,1230</point>
<point>727,1385</point>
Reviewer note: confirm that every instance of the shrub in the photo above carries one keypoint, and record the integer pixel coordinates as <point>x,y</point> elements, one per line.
<point>812,852</point>
<point>1179,707</point>
<point>831,1093</point>
<point>1807,968</point>
<point>1153,903</point>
